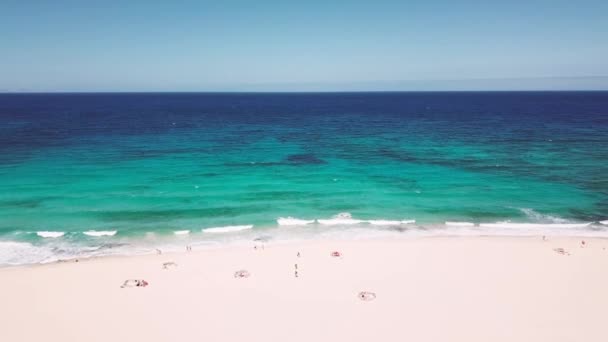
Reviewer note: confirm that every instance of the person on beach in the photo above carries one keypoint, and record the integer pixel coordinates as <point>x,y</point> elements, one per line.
<point>134,283</point>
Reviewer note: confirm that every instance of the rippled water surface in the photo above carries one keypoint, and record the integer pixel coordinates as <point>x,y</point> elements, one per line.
<point>143,165</point>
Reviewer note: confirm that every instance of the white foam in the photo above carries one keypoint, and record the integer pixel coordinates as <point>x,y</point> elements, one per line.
<point>100,233</point>
<point>604,222</point>
<point>333,222</point>
<point>542,218</point>
<point>459,224</point>
<point>227,229</point>
<point>533,225</point>
<point>181,232</point>
<point>291,221</point>
<point>390,222</point>
<point>46,234</point>
<point>17,253</point>
<point>384,222</point>
<point>340,219</point>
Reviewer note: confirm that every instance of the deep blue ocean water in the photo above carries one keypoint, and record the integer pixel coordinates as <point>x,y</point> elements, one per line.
<point>142,166</point>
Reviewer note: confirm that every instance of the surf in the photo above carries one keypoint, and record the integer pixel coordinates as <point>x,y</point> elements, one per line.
<point>98,233</point>
<point>340,219</point>
<point>292,221</point>
<point>52,235</point>
<point>227,229</point>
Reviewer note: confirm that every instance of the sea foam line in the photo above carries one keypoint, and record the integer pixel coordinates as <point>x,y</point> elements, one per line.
<point>292,221</point>
<point>534,225</point>
<point>47,234</point>
<point>98,233</point>
<point>390,222</point>
<point>181,232</point>
<point>227,229</point>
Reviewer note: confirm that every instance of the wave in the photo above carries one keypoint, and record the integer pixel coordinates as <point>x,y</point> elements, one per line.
<point>510,225</point>
<point>227,229</point>
<point>46,234</point>
<point>291,221</point>
<point>100,233</point>
<point>181,232</point>
<point>605,222</point>
<point>19,253</point>
<point>390,222</point>
<point>459,224</point>
<point>340,219</point>
<point>542,218</point>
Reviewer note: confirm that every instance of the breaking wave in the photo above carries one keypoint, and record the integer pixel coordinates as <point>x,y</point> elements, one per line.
<point>291,221</point>
<point>47,234</point>
<point>340,219</point>
<point>100,233</point>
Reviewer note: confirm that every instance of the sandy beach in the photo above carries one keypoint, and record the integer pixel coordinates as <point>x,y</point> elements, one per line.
<point>427,289</point>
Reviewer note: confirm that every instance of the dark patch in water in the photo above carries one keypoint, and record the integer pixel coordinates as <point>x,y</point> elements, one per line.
<point>397,155</point>
<point>254,164</point>
<point>292,160</point>
<point>25,203</point>
<point>210,174</point>
<point>304,159</point>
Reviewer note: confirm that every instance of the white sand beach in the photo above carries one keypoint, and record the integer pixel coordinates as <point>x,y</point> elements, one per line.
<point>427,289</point>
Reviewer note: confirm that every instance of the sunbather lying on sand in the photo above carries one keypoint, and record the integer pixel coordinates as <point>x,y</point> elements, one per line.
<point>367,296</point>
<point>241,274</point>
<point>167,265</point>
<point>134,283</point>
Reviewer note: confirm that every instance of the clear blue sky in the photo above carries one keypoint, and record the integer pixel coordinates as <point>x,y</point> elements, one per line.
<point>301,45</point>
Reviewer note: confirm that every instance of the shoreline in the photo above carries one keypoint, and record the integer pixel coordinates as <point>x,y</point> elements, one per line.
<point>244,244</point>
<point>426,289</point>
<point>59,246</point>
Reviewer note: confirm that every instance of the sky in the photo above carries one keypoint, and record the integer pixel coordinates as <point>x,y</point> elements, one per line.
<point>302,45</point>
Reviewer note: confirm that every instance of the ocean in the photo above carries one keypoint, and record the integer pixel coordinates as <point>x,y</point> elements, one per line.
<point>85,175</point>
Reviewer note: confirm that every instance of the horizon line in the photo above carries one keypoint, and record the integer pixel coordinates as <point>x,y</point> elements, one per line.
<point>303,91</point>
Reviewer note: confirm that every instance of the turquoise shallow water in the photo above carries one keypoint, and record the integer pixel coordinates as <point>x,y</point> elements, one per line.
<point>146,165</point>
